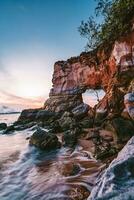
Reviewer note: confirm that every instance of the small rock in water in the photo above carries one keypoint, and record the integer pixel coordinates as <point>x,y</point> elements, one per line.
<point>9,129</point>
<point>78,192</point>
<point>44,140</point>
<point>3,126</point>
<point>69,169</point>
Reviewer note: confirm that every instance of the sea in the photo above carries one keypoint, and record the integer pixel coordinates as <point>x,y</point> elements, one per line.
<point>27,173</point>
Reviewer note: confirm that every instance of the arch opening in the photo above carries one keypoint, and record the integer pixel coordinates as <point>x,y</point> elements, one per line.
<point>93,97</point>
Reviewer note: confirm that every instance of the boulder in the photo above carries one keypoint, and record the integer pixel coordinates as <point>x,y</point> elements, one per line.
<point>45,115</point>
<point>122,129</point>
<point>86,122</point>
<point>3,126</point>
<point>77,192</point>
<point>69,169</point>
<point>37,115</point>
<point>70,136</point>
<point>102,141</point>
<point>23,126</point>
<point>28,115</point>
<point>10,129</point>
<point>117,181</point>
<point>55,127</point>
<point>66,121</point>
<point>44,140</point>
<point>80,111</point>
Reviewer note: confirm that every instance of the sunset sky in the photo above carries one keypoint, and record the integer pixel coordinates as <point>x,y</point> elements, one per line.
<point>33,35</point>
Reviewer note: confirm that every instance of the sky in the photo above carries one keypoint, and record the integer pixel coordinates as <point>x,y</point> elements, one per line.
<point>34,34</point>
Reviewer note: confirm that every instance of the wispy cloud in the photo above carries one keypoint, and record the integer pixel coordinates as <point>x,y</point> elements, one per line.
<point>16,101</point>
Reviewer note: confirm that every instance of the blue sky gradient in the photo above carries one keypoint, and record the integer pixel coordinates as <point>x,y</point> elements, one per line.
<point>33,35</point>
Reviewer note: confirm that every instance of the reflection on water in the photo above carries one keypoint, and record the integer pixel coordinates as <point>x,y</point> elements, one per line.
<point>8,118</point>
<point>29,174</point>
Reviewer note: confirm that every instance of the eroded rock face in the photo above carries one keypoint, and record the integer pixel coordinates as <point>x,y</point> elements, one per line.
<point>114,73</point>
<point>94,70</point>
<point>117,182</point>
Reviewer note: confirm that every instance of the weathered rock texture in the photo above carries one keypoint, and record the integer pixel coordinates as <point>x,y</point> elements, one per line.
<point>93,70</point>
<point>117,181</point>
<point>113,72</point>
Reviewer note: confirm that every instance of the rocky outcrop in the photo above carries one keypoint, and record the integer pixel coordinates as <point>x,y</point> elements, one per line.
<point>117,181</point>
<point>113,72</point>
<point>44,140</point>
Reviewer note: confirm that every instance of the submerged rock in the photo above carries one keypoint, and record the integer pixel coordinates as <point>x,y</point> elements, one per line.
<point>78,192</point>
<point>3,126</point>
<point>69,169</point>
<point>117,181</point>
<point>44,140</point>
<point>9,129</point>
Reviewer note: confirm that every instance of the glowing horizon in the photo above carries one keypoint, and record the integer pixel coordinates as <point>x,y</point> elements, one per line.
<point>33,36</point>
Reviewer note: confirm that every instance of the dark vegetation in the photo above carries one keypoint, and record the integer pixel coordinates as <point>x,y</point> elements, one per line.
<point>113,19</point>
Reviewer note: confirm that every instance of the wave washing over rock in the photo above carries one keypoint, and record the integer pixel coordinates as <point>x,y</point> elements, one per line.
<point>117,182</point>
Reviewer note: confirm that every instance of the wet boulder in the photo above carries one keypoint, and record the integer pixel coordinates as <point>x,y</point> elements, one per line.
<point>67,120</point>
<point>9,130</point>
<point>44,140</point>
<point>55,127</point>
<point>3,126</point>
<point>21,126</point>
<point>70,136</point>
<point>122,129</point>
<point>45,115</point>
<point>28,115</point>
<point>117,181</point>
<point>69,169</point>
<point>77,192</point>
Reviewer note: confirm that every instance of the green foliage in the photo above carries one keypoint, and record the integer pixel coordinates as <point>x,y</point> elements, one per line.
<point>116,21</point>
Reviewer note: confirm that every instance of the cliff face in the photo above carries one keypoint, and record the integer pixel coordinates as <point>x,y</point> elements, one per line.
<point>65,111</point>
<point>94,70</point>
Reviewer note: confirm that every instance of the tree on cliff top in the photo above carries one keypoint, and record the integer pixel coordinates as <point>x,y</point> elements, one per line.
<point>116,21</point>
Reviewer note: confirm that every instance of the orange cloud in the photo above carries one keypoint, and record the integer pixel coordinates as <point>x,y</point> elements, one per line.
<point>20,102</point>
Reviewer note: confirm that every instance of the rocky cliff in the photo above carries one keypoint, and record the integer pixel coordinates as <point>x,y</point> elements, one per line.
<point>112,72</point>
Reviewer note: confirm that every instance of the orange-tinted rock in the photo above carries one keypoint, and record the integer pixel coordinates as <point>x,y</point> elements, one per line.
<point>94,70</point>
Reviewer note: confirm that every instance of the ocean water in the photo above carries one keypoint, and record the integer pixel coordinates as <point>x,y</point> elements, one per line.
<point>26,173</point>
